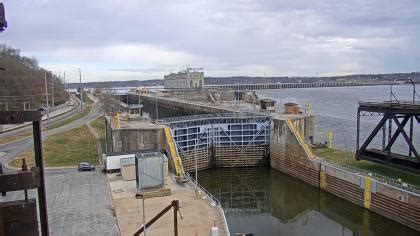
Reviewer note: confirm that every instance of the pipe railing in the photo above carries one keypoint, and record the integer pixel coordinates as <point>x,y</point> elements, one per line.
<point>379,178</point>
<point>215,201</point>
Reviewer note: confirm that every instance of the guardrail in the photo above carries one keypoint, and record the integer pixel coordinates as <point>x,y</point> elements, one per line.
<point>212,116</point>
<point>379,178</point>
<point>215,201</point>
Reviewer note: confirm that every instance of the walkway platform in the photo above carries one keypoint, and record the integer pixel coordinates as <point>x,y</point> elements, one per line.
<point>198,213</point>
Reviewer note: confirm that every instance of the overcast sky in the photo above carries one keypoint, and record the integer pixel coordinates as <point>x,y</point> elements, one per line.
<point>244,37</point>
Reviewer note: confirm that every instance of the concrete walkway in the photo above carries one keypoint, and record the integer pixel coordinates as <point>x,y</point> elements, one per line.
<point>199,215</point>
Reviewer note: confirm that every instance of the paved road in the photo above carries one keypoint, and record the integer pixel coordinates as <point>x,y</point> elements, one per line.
<point>78,203</point>
<point>55,116</point>
<point>16,148</point>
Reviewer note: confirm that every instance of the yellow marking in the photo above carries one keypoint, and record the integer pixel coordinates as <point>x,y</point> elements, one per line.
<point>118,120</point>
<point>322,180</point>
<point>367,192</point>
<point>174,153</point>
<point>301,140</point>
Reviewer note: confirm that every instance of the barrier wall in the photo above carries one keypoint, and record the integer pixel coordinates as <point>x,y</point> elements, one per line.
<point>289,156</point>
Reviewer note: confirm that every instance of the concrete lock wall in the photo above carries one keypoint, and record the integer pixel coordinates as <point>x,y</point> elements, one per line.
<point>288,156</point>
<point>134,139</point>
<point>125,140</point>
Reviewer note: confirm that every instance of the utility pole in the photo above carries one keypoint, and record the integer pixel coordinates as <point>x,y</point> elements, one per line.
<point>46,98</point>
<point>64,81</point>
<point>52,89</point>
<point>80,90</point>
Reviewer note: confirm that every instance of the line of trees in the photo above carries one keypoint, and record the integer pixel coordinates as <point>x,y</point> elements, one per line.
<point>22,84</point>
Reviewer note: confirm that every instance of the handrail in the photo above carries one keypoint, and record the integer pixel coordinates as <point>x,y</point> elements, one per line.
<point>174,154</point>
<point>300,139</point>
<point>379,178</point>
<point>215,200</point>
<point>211,116</point>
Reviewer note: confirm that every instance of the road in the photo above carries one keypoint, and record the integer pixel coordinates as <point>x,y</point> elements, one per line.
<point>77,203</point>
<point>16,148</point>
<point>55,116</point>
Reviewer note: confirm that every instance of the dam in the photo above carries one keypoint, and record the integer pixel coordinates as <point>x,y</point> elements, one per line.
<point>281,141</point>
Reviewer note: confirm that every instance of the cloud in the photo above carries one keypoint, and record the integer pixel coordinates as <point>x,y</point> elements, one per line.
<point>271,37</point>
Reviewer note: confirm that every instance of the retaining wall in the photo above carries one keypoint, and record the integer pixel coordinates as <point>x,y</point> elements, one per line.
<point>288,156</point>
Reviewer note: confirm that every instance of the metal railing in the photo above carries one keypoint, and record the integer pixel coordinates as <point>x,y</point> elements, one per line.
<point>212,116</point>
<point>379,178</point>
<point>215,201</point>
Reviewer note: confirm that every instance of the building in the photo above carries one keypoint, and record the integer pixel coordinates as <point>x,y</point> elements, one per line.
<point>191,78</point>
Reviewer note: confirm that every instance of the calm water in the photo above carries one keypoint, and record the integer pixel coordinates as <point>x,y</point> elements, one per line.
<point>264,201</point>
<point>335,109</point>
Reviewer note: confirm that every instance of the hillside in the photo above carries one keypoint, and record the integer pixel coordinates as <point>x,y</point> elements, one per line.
<point>22,82</point>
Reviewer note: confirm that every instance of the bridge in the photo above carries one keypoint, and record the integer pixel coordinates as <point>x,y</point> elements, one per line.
<point>298,85</point>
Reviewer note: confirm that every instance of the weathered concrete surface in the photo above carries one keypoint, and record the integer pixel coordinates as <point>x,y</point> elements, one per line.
<point>198,215</point>
<point>78,203</point>
<point>287,156</point>
<point>134,135</point>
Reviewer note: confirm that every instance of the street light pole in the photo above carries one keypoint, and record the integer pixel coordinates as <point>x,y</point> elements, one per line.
<point>52,89</point>
<point>80,90</point>
<point>46,98</point>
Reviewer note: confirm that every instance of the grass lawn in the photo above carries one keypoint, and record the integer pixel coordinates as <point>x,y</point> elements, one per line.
<point>65,149</point>
<point>346,157</point>
<point>99,126</point>
<point>7,139</point>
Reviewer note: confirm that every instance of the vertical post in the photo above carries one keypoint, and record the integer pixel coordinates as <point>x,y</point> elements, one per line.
<point>383,136</point>
<point>144,217</point>
<point>80,90</point>
<point>389,136</point>
<point>52,90</point>
<point>176,207</point>
<point>42,200</point>
<point>358,136</point>
<point>46,98</point>
<point>196,165</point>
<point>156,108</point>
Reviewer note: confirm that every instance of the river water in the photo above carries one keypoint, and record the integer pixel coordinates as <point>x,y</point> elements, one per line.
<point>335,109</point>
<point>264,201</point>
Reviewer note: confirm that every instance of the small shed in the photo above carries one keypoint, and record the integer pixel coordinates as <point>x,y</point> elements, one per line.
<point>291,108</point>
<point>128,168</point>
<point>151,171</point>
<point>268,104</point>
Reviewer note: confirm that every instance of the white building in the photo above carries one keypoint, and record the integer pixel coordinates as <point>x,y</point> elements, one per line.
<point>191,78</point>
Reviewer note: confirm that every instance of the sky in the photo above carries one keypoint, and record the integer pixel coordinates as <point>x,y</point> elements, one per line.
<point>145,39</point>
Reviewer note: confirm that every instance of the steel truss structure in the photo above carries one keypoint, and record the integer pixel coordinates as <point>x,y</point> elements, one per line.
<point>223,139</point>
<point>396,114</point>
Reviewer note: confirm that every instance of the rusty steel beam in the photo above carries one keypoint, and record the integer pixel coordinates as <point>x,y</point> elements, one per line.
<point>18,218</point>
<point>20,180</point>
<point>175,205</point>
<point>42,198</point>
<point>18,117</point>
